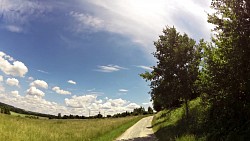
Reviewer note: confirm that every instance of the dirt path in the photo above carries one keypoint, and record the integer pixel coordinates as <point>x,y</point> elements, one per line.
<point>141,131</point>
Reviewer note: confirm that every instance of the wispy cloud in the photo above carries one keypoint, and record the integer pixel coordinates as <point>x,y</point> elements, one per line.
<point>18,13</point>
<point>135,18</point>
<point>13,28</point>
<point>145,67</point>
<point>123,90</point>
<point>72,82</point>
<point>42,71</point>
<point>110,68</point>
<point>86,22</point>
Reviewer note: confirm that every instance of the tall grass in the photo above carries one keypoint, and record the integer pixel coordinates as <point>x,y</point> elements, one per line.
<point>14,128</point>
<point>170,125</point>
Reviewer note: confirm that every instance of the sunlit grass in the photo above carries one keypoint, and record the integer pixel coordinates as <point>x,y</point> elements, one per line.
<point>173,126</point>
<point>14,128</point>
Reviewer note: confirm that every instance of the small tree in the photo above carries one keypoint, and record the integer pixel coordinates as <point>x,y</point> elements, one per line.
<point>59,116</point>
<point>173,79</point>
<point>150,110</point>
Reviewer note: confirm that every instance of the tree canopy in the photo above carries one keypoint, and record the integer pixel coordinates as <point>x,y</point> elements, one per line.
<point>173,78</point>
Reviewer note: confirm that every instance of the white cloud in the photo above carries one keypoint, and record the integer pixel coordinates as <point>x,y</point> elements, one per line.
<point>60,91</point>
<point>84,101</point>
<point>34,103</point>
<point>15,93</point>
<point>17,13</point>
<point>34,91</point>
<point>143,20</point>
<point>1,78</point>
<point>76,105</point>
<point>30,78</point>
<point>14,28</point>
<point>16,69</point>
<point>109,68</point>
<point>86,22</point>
<point>2,88</point>
<point>123,90</point>
<point>42,71</point>
<point>72,82</point>
<point>12,82</point>
<point>117,102</point>
<point>132,106</point>
<point>39,83</point>
<point>145,67</point>
<point>90,103</point>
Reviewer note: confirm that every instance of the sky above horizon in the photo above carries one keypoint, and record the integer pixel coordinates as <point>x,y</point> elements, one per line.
<point>81,56</point>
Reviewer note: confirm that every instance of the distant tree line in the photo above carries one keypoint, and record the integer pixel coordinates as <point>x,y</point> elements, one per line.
<point>5,109</point>
<point>22,111</point>
<point>135,112</point>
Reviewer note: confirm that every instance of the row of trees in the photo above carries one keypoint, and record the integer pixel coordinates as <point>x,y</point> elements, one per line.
<point>135,112</point>
<point>219,72</point>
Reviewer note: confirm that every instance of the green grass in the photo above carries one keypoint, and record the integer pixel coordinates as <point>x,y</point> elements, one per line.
<point>172,125</point>
<point>25,115</point>
<point>14,128</point>
<point>17,114</point>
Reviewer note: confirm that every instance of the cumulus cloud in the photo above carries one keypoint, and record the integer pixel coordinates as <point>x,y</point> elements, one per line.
<point>72,82</point>
<point>81,101</point>
<point>109,68</point>
<point>92,103</point>
<point>15,93</point>
<point>12,82</point>
<point>132,106</point>
<point>34,103</point>
<point>76,105</point>
<point>145,67</point>
<point>117,102</point>
<point>60,91</point>
<point>34,91</point>
<point>16,69</point>
<point>39,83</point>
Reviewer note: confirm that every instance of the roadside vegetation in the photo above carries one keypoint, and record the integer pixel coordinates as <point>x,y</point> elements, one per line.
<point>170,125</point>
<point>19,128</point>
<point>215,73</point>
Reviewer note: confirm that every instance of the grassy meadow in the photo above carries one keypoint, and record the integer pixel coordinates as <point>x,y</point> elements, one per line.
<point>16,128</point>
<point>171,125</point>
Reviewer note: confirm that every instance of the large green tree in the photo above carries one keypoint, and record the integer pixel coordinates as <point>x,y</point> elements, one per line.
<point>173,78</point>
<point>226,77</point>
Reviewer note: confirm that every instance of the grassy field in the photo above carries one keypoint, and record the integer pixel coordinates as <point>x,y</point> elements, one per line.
<point>13,128</point>
<point>172,125</point>
<point>26,116</point>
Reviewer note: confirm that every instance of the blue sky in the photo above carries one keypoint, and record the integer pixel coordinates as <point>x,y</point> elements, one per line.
<point>70,57</point>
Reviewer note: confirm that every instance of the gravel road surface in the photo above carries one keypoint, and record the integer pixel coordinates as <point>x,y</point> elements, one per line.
<point>141,131</point>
